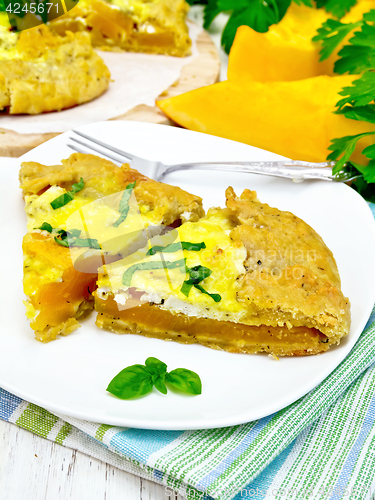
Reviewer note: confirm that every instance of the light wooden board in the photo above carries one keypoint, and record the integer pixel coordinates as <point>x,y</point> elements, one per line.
<point>203,70</point>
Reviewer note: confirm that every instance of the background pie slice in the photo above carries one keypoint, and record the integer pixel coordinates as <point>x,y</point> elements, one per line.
<point>57,293</point>
<point>257,280</point>
<point>154,26</point>
<point>41,71</point>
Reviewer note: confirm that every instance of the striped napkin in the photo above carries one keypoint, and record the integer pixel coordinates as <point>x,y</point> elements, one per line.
<point>320,447</point>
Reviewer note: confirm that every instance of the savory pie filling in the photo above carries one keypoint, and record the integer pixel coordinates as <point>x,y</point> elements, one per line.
<point>216,282</point>
<point>58,293</point>
<point>156,26</point>
<point>152,321</point>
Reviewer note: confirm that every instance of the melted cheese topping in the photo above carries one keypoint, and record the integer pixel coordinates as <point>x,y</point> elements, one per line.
<point>222,256</point>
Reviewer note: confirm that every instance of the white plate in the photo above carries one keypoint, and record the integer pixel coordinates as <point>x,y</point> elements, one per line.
<point>69,376</point>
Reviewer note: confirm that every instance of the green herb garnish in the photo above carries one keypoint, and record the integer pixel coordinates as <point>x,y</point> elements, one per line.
<point>65,198</point>
<point>196,275</point>
<point>45,227</point>
<point>124,203</point>
<point>72,239</point>
<point>148,266</point>
<point>260,15</point>
<point>174,247</point>
<point>138,380</point>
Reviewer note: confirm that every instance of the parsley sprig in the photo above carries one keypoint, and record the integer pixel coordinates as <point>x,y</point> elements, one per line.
<point>138,380</point>
<point>260,14</point>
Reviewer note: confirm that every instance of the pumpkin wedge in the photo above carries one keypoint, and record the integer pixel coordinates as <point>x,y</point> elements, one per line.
<point>293,119</point>
<point>286,52</point>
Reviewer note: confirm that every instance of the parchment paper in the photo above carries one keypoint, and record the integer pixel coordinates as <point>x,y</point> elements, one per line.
<point>138,79</point>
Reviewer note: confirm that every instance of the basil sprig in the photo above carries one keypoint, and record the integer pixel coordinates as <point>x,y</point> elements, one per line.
<point>65,198</point>
<point>174,247</point>
<point>196,275</point>
<point>72,239</point>
<point>124,204</point>
<point>148,266</point>
<point>138,380</point>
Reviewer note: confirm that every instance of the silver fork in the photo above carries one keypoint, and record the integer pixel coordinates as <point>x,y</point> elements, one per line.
<point>297,171</point>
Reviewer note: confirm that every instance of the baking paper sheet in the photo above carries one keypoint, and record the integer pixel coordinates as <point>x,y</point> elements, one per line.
<point>138,79</point>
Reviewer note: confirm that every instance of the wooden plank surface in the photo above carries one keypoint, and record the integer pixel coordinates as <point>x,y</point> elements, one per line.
<point>33,468</point>
<point>203,70</point>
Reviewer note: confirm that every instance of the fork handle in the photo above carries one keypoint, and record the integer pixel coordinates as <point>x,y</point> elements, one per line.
<point>298,171</point>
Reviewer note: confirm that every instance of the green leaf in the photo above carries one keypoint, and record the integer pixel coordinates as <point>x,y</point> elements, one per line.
<point>158,369</point>
<point>155,365</point>
<point>360,113</point>
<point>148,266</point>
<point>359,54</point>
<point>124,204</point>
<point>78,186</point>
<point>186,287</point>
<point>71,239</point>
<point>196,275</point>
<point>257,14</point>
<point>364,189</point>
<point>337,7</point>
<point>132,382</point>
<point>369,151</point>
<point>174,247</point>
<point>215,296</point>
<point>65,198</point>
<point>331,34</point>
<point>308,3</point>
<point>46,227</point>
<point>369,171</point>
<point>344,147</point>
<point>184,380</point>
<point>360,93</point>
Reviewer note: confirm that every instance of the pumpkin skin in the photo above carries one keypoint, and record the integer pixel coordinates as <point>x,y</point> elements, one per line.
<point>286,52</point>
<point>293,119</point>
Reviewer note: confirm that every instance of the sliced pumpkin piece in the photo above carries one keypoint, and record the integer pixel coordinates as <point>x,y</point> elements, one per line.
<point>294,119</point>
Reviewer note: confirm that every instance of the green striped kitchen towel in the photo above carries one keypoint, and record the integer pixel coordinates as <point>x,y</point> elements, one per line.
<point>320,447</point>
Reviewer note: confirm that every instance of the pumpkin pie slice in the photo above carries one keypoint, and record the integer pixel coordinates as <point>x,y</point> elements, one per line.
<point>41,71</point>
<point>248,278</point>
<point>154,26</point>
<point>58,292</point>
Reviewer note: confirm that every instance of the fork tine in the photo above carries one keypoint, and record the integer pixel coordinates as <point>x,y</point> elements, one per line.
<point>77,150</point>
<point>128,156</point>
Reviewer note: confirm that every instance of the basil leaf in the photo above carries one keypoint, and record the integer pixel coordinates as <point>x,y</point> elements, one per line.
<point>71,239</point>
<point>184,380</point>
<point>65,198</point>
<point>159,382</point>
<point>154,365</point>
<point>132,382</point>
<point>198,274</point>
<point>186,287</point>
<point>174,247</point>
<point>45,227</point>
<point>78,186</point>
<point>147,266</point>
<point>124,204</point>
<point>215,296</point>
